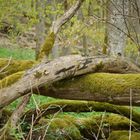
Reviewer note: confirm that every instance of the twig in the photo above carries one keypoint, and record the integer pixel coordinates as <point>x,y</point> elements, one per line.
<point>100,126</point>
<point>6,65</point>
<point>131,108</point>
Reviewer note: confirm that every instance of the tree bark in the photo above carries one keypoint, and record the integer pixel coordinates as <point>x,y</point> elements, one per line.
<point>40,26</point>
<point>49,42</point>
<point>116,29</point>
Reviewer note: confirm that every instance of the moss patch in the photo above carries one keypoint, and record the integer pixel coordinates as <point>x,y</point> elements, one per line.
<point>105,83</point>
<point>123,135</point>
<point>59,128</point>
<point>47,46</point>
<point>63,127</point>
<point>9,80</point>
<point>9,67</point>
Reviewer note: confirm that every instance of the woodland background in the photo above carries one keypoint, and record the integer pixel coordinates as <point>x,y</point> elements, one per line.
<point>101,37</point>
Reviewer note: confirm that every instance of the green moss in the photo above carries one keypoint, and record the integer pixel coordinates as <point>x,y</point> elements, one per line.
<point>112,121</point>
<point>123,135</point>
<point>63,126</point>
<point>118,122</point>
<point>85,106</point>
<point>9,67</point>
<point>11,79</point>
<point>47,46</point>
<point>105,83</point>
<point>87,125</point>
<point>60,128</point>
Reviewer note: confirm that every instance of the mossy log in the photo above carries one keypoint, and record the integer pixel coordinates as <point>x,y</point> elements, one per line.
<point>81,106</point>
<point>9,80</point>
<point>11,66</point>
<point>47,73</point>
<point>123,135</point>
<point>102,87</point>
<point>66,126</point>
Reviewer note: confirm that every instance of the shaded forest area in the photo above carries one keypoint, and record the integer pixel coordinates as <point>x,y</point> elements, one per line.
<point>70,70</point>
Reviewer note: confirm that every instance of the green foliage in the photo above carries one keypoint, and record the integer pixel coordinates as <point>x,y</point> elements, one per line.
<point>18,15</point>
<point>15,134</point>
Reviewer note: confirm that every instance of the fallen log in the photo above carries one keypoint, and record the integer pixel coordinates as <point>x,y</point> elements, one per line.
<point>101,87</point>
<point>124,135</point>
<point>47,73</point>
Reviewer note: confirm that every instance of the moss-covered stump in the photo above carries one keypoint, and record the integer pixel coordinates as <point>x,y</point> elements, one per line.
<point>8,67</point>
<point>123,135</point>
<point>82,106</point>
<point>64,127</point>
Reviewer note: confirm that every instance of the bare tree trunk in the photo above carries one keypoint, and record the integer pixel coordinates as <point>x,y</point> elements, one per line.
<point>84,37</point>
<point>55,49</point>
<point>40,27</point>
<point>116,29</point>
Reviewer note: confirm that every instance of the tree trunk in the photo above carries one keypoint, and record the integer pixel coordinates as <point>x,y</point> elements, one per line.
<point>40,27</point>
<point>116,27</point>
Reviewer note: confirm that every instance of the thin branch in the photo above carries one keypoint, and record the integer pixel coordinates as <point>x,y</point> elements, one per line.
<point>67,16</point>
<point>19,110</point>
<point>131,112</point>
